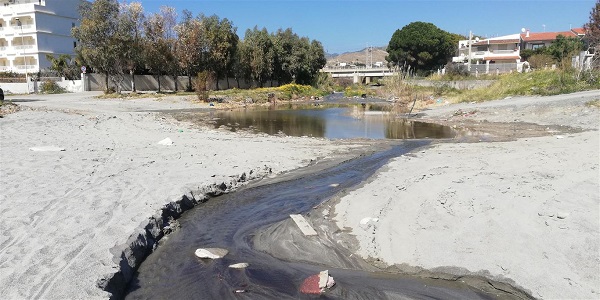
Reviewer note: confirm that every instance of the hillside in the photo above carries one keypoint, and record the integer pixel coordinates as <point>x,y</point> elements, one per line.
<point>358,57</point>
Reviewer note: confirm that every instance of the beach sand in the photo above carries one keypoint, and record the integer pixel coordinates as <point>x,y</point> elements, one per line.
<point>66,214</point>
<point>526,212</point>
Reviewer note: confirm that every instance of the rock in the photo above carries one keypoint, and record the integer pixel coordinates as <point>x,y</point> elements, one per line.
<point>212,253</point>
<point>562,215</point>
<point>239,265</point>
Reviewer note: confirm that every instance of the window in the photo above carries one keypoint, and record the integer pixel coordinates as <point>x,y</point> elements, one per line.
<point>536,46</point>
<point>74,44</point>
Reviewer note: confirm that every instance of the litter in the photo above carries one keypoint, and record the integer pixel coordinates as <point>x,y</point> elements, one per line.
<point>239,265</point>
<point>317,284</point>
<point>46,149</point>
<point>212,253</point>
<point>306,229</point>
<point>166,142</point>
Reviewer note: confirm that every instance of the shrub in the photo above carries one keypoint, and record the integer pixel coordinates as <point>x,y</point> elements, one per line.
<point>200,85</point>
<point>50,87</point>
<point>456,70</point>
<point>541,61</point>
<point>293,91</point>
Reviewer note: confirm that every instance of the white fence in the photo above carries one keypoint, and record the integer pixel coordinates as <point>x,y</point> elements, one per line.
<point>72,86</point>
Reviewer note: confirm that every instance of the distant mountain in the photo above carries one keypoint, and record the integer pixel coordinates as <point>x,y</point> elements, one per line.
<point>357,57</point>
<point>331,55</point>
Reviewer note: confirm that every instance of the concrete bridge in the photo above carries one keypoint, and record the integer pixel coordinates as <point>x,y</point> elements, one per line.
<point>359,74</point>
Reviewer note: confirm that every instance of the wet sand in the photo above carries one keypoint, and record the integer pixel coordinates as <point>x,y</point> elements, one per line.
<point>525,212</point>
<point>515,201</point>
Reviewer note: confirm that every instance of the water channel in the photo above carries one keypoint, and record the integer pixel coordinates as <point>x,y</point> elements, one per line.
<point>232,220</point>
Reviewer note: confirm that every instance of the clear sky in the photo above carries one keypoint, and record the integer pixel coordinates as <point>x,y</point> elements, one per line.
<point>351,25</point>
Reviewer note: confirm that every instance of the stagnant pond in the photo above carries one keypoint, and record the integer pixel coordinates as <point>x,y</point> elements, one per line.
<point>331,123</point>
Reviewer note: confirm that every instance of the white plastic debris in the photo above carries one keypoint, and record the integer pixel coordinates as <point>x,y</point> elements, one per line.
<point>166,142</point>
<point>212,253</point>
<point>46,149</point>
<point>239,265</point>
<point>368,222</point>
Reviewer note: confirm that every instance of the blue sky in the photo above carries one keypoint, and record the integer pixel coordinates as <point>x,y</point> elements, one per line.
<point>347,25</point>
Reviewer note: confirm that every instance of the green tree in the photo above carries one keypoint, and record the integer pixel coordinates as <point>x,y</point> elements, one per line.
<point>564,47</point>
<point>221,46</point>
<point>159,42</point>
<point>317,60</point>
<point>258,55</point>
<point>189,46</point>
<point>64,65</point>
<point>96,35</point>
<point>420,46</point>
<point>592,32</point>
<point>131,20</point>
<point>240,70</point>
<point>296,59</point>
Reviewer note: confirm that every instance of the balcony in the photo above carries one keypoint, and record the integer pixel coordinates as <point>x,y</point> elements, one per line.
<point>23,47</point>
<point>487,55</point>
<point>25,27</point>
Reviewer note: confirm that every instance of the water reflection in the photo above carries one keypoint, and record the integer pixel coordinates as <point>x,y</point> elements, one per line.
<point>331,123</point>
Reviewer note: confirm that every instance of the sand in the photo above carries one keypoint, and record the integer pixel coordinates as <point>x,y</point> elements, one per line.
<point>525,212</point>
<point>63,211</point>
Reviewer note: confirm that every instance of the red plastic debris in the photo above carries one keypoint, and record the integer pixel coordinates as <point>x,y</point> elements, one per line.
<point>311,285</point>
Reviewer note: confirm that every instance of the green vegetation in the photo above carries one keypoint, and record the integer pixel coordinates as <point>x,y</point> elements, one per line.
<point>420,47</point>
<point>358,91</point>
<point>64,65</point>
<point>50,87</point>
<point>115,39</point>
<point>262,95</point>
<point>543,82</point>
<point>593,103</point>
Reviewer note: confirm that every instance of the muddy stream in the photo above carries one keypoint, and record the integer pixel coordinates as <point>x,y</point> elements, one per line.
<point>256,214</point>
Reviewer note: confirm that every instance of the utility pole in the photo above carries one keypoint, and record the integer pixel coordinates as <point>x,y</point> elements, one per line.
<point>470,43</point>
<point>369,58</point>
<point>24,53</point>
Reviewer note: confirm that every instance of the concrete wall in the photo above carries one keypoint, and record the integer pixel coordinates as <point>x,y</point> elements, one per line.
<point>458,84</point>
<point>97,82</point>
<point>71,86</point>
<point>17,88</point>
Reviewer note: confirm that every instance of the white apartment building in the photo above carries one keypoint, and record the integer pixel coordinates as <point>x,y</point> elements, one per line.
<point>30,29</point>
